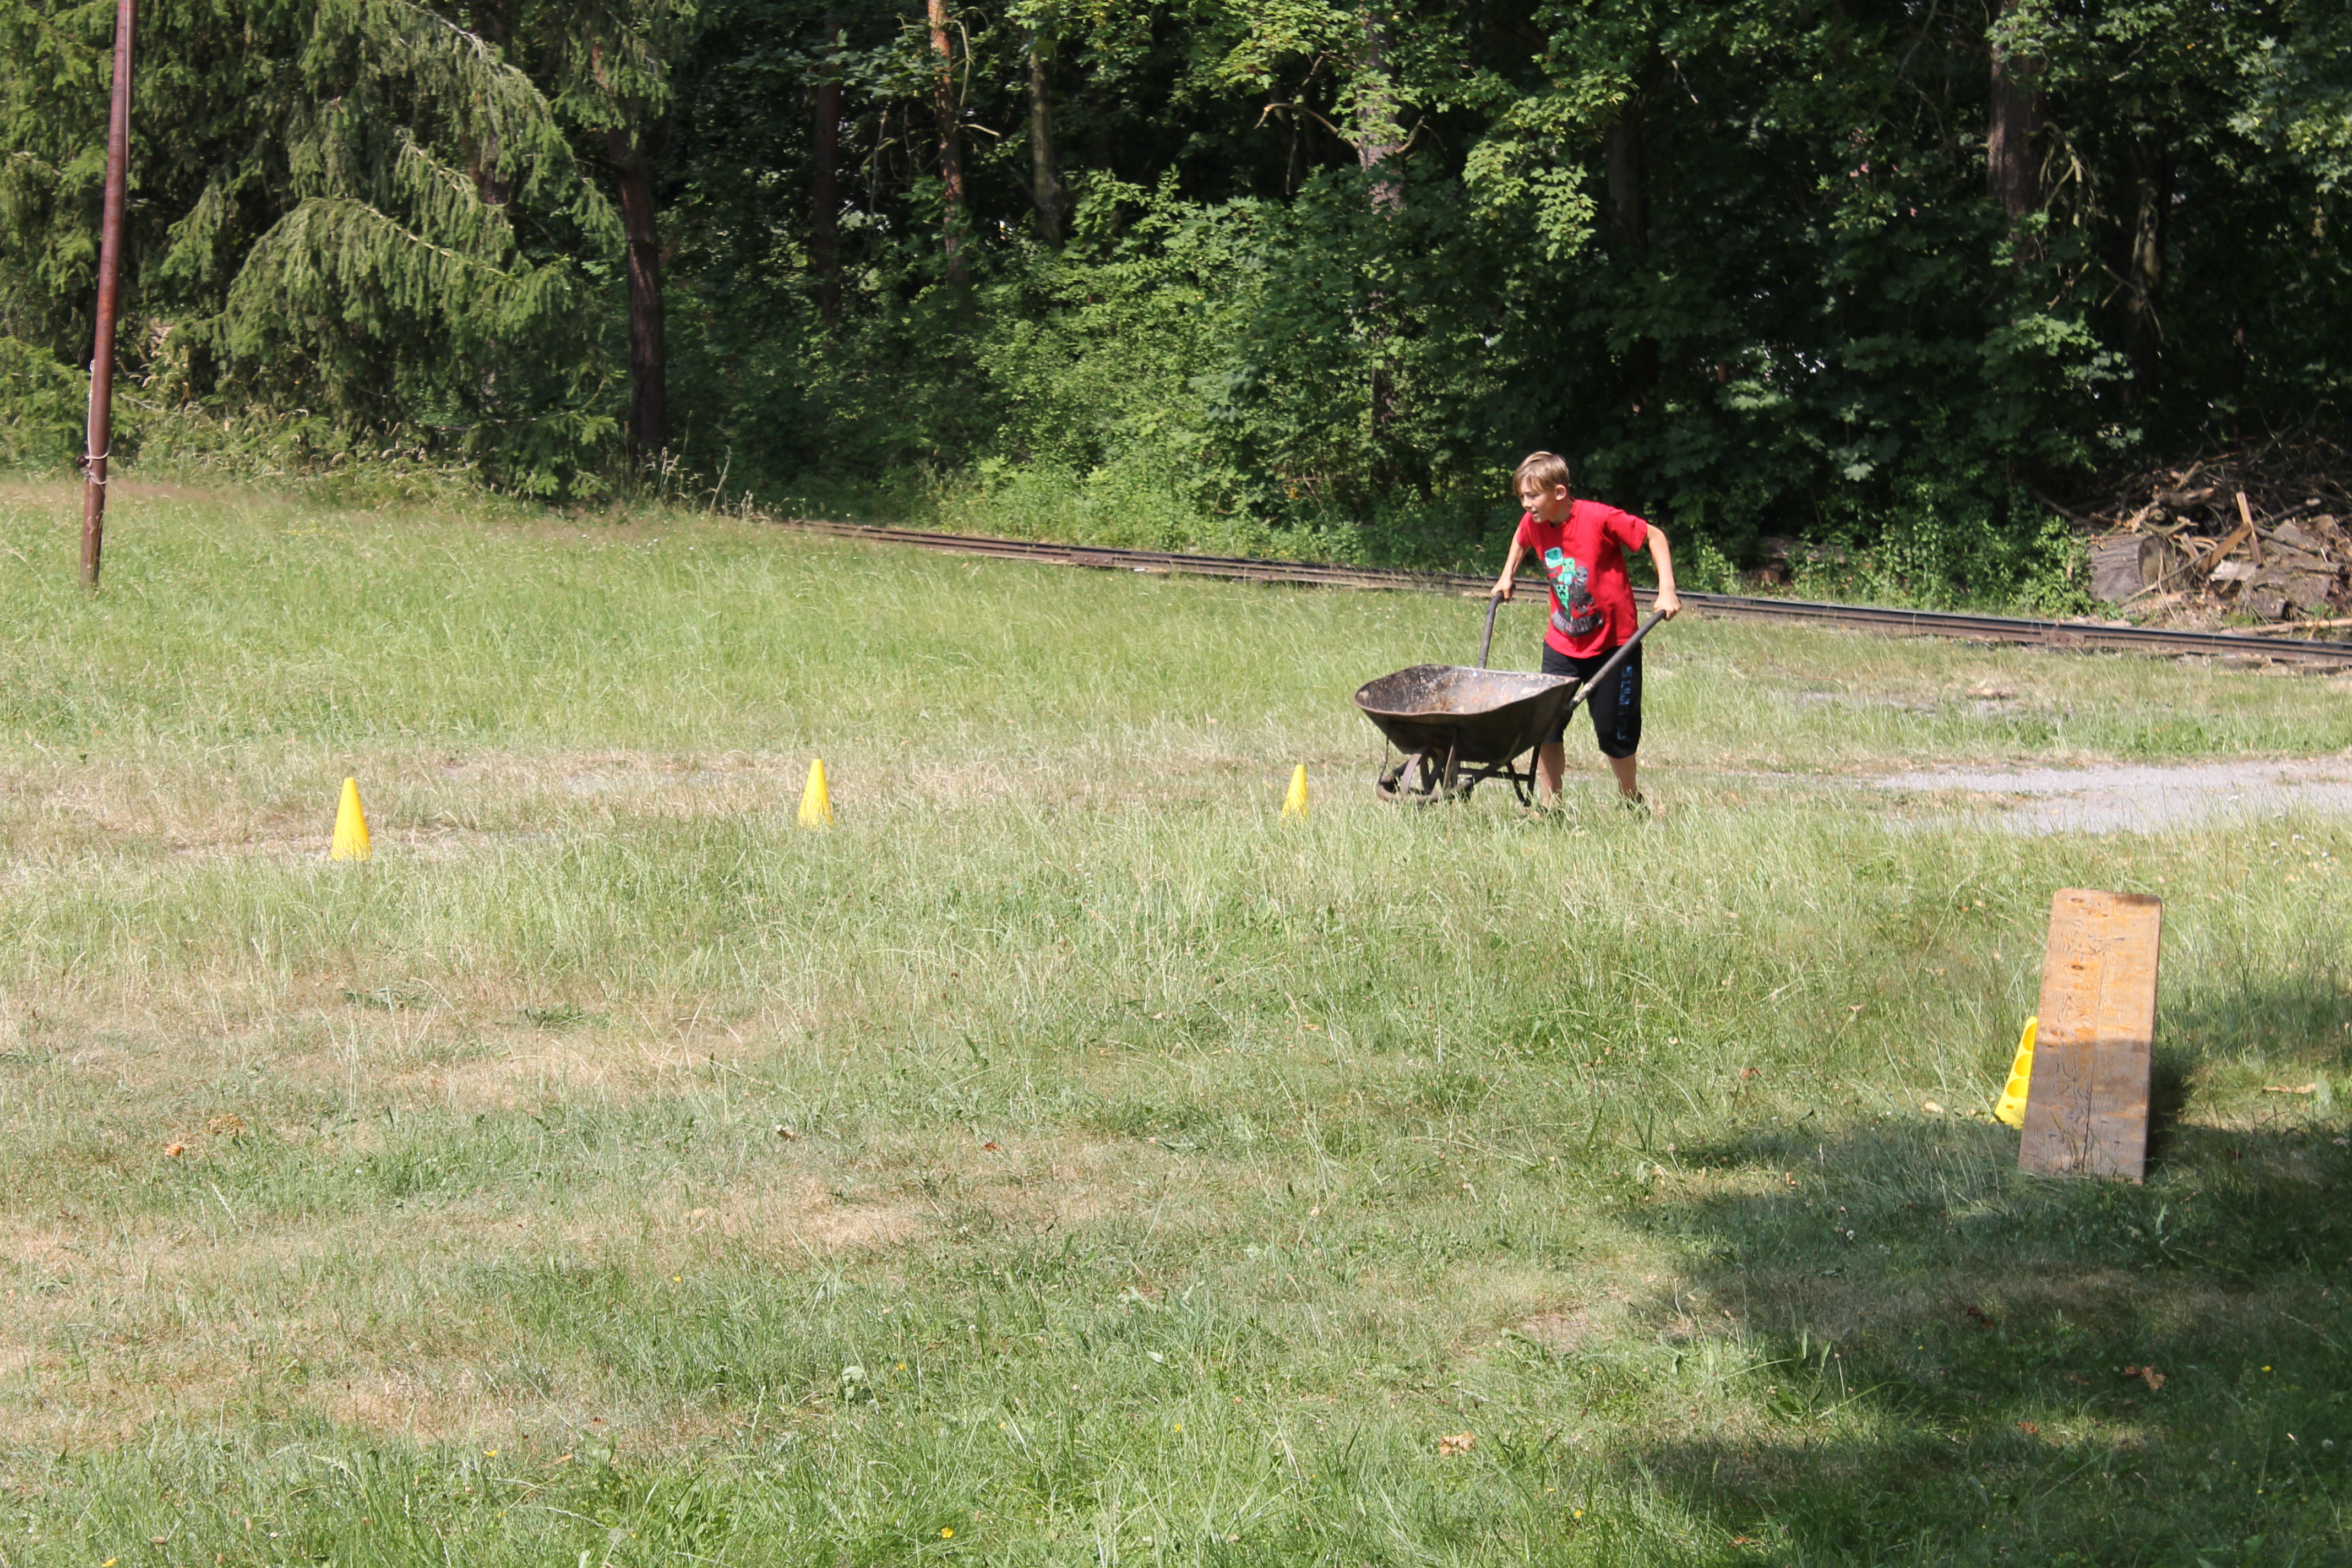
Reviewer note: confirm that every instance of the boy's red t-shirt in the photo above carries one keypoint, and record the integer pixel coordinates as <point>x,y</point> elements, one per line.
<point>1583,558</point>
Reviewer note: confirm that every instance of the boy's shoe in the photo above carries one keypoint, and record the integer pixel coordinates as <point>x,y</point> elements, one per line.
<point>1642,806</point>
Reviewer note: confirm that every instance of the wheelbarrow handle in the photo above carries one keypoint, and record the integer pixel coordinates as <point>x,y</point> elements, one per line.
<point>1592,683</point>
<point>1492,604</point>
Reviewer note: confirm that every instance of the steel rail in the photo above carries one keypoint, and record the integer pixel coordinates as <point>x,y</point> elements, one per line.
<point>1738,606</point>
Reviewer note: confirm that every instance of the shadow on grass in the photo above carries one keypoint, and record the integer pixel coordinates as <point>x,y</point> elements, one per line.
<point>1964,1363</point>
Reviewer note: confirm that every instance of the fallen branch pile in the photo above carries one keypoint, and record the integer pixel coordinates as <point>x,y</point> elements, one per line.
<point>2264,533</point>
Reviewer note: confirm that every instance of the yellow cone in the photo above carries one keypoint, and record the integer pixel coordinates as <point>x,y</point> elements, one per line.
<point>2011,1109</point>
<point>1295,803</point>
<point>816,801</point>
<point>351,826</point>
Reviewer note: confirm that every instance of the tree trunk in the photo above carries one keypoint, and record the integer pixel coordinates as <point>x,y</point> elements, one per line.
<point>1045,177</point>
<point>1376,143</point>
<point>1291,158</point>
<point>1621,146</point>
<point>1376,118</point>
<point>1625,155</point>
<point>633,177</point>
<point>2144,263</point>
<point>943,109</point>
<point>2238,381</point>
<point>496,29</point>
<point>824,191</point>
<point>2012,169</point>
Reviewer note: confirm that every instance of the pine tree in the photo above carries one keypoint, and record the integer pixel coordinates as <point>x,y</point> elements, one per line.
<point>356,207</point>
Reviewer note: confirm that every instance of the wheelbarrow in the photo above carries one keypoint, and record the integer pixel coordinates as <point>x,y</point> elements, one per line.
<point>1457,726</point>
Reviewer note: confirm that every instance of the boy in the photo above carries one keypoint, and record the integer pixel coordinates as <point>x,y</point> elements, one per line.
<point>1582,546</point>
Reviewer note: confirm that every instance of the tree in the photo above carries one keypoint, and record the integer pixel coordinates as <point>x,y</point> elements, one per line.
<point>824,161</point>
<point>314,222</point>
<point>946,114</point>
<point>1045,170</point>
<point>2013,123</point>
<point>612,61</point>
<point>1771,265</point>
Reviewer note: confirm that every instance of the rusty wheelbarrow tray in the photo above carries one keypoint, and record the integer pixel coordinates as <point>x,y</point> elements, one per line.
<point>1458,727</point>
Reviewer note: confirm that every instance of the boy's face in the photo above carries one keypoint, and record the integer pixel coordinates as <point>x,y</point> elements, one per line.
<point>1549,505</point>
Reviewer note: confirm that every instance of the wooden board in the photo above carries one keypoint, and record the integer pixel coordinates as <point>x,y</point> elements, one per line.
<point>2086,1110</point>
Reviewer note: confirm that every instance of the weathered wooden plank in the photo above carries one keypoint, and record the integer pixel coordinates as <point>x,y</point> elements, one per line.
<point>2086,1112</point>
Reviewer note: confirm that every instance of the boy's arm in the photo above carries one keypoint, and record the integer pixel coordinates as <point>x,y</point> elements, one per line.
<point>1502,588</point>
<point>1669,603</point>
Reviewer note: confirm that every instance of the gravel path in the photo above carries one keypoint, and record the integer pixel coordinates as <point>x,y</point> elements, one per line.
<point>2140,797</point>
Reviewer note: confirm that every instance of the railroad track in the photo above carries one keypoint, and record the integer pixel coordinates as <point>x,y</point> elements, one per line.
<point>1735,606</point>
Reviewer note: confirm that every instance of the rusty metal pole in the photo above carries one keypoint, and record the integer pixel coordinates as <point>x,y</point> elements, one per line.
<point>110,293</point>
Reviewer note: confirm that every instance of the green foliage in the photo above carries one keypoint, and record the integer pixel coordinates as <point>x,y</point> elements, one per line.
<point>42,408</point>
<point>1327,271</point>
<point>1792,313</point>
<point>358,208</point>
<point>2300,94</point>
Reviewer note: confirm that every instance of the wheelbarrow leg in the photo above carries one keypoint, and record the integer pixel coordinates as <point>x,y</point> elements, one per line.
<point>1523,785</point>
<point>1468,779</point>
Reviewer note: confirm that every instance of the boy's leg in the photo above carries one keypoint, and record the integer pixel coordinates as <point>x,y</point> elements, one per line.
<point>1551,757</point>
<point>1617,722</point>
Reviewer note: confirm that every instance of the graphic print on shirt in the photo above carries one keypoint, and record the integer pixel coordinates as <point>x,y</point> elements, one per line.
<point>1574,611</point>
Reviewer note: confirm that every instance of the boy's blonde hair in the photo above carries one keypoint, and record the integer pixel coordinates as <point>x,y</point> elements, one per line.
<point>1543,470</point>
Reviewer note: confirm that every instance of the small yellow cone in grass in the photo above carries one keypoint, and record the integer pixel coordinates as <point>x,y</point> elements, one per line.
<point>2011,1109</point>
<point>1295,803</point>
<point>351,826</point>
<point>816,801</point>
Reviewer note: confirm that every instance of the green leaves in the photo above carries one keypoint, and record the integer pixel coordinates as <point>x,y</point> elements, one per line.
<point>2299,95</point>
<point>1530,168</point>
<point>41,407</point>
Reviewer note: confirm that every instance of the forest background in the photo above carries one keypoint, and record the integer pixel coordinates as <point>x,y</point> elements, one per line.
<point>1290,276</point>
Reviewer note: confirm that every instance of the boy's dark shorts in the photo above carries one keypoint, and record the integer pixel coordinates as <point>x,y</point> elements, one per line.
<point>1616,711</point>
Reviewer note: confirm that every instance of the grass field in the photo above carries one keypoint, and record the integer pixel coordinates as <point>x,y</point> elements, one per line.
<point>1064,1160</point>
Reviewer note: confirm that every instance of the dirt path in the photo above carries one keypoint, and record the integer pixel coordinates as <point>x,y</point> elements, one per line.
<point>2138,798</point>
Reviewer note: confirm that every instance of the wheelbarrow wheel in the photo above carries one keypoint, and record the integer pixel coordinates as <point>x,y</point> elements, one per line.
<point>1416,780</point>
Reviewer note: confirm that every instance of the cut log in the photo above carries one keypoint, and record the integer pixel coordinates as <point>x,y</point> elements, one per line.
<point>2122,566</point>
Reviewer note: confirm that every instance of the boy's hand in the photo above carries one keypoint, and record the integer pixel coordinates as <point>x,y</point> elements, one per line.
<point>1668,603</point>
<point>1501,590</point>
